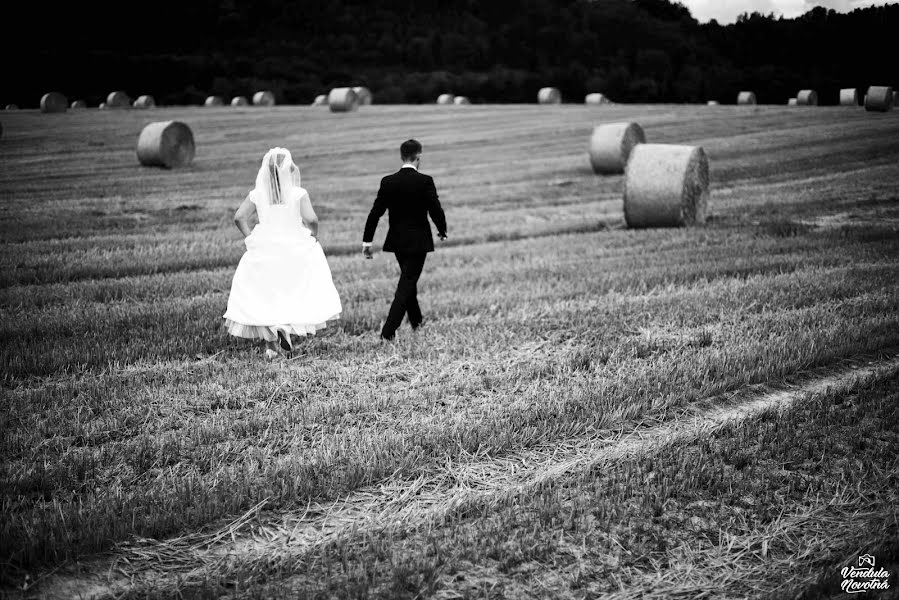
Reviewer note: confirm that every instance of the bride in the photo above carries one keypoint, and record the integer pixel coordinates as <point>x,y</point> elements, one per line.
<point>282,286</point>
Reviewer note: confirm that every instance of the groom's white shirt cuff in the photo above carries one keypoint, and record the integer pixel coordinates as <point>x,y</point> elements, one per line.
<point>366,244</point>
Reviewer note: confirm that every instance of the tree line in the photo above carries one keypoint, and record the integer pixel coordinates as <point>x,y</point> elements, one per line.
<point>411,51</point>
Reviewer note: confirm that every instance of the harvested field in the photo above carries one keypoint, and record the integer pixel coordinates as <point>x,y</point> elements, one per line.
<point>133,426</point>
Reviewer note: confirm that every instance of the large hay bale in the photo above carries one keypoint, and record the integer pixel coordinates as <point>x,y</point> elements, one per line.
<point>145,101</point>
<point>848,97</point>
<point>264,98</point>
<point>445,99</point>
<point>713,103</point>
<point>320,100</point>
<point>78,104</point>
<point>746,98</point>
<point>102,106</point>
<point>596,98</point>
<point>460,100</point>
<point>240,101</point>
<point>214,101</point>
<point>168,144</point>
<point>879,98</point>
<point>54,102</point>
<point>549,95</point>
<point>12,107</point>
<point>792,102</point>
<point>611,145</point>
<point>343,100</point>
<point>666,186</point>
<point>364,95</point>
<point>118,99</point>
<point>807,98</point>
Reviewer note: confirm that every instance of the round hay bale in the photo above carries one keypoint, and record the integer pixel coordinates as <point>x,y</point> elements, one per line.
<point>343,100</point>
<point>78,104</point>
<point>240,101</point>
<point>746,98</point>
<point>596,98</point>
<point>364,95</point>
<point>264,98</point>
<point>214,101</point>
<point>666,186</point>
<point>320,100</point>
<point>713,103</point>
<point>102,106</point>
<point>792,102</point>
<point>445,99</point>
<point>54,102</point>
<point>145,101</point>
<point>168,144</point>
<point>549,95</point>
<point>611,145</point>
<point>848,97</point>
<point>118,100</point>
<point>807,98</point>
<point>460,100</point>
<point>12,107</point>
<point>879,98</point>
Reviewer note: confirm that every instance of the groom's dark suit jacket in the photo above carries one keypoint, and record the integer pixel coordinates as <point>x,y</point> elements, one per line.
<point>410,197</point>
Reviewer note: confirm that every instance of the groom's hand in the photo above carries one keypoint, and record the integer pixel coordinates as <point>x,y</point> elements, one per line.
<point>366,252</point>
<point>442,237</point>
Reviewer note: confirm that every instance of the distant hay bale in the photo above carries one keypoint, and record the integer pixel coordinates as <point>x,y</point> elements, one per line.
<point>240,101</point>
<point>118,99</point>
<point>807,98</point>
<point>12,107</point>
<point>168,144</point>
<point>746,98</point>
<point>214,101</point>
<point>879,98</point>
<point>549,95</point>
<point>320,100</point>
<point>713,103</point>
<point>611,145</point>
<point>343,100</point>
<point>596,98</point>
<point>145,101</point>
<point>78,104</point>
<point>102,106</point>
<point>264,98</point>
<point>792,102</point>
<point>445,99</point>
<point>460,100</point>
<point>54,102</point>
<point>848,97</point>
<point>666,186</point>
<point>363,94</point>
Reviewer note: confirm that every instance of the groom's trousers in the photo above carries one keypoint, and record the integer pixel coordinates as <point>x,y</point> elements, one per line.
<point>405,300</point>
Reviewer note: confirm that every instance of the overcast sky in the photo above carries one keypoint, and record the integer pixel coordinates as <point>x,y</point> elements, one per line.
<point>726,11</point>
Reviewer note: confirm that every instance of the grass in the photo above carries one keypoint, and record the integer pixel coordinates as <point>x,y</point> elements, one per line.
<point>128,412</point>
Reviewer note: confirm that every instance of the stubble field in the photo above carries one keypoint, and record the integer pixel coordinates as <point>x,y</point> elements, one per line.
<point>563,426</point>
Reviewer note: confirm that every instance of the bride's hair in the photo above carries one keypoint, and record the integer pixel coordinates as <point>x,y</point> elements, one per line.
<point>277,176</point>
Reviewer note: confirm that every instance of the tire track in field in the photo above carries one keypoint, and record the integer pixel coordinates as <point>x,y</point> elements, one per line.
<point>264,540</point>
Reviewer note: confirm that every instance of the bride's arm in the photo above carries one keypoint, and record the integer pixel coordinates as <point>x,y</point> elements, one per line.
<point>244,216</point>
<point>310,219</point>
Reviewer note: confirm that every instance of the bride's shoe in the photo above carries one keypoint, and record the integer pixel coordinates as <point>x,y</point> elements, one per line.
<point>271,354</point>
<point>284,340</point>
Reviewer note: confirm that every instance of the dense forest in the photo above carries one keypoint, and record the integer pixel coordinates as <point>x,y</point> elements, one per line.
<point>411,51</point>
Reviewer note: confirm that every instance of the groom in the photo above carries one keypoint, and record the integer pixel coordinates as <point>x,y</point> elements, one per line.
<point>410,197</point>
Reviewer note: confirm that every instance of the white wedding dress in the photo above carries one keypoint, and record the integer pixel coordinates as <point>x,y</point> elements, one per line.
<point>283,281</point>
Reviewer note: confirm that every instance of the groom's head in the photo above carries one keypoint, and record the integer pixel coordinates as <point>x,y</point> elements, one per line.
<point>410,151</point>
